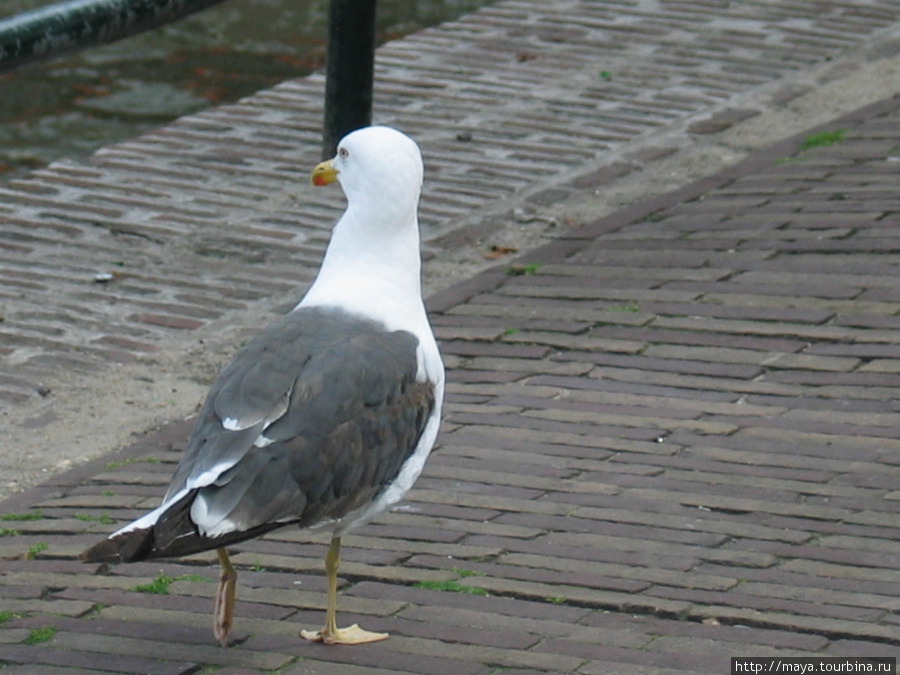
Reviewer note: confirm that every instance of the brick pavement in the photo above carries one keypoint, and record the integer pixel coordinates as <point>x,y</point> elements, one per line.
<point>193,224</point>
<point>670,439</point>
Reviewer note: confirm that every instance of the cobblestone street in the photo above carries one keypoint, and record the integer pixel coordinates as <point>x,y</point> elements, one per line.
<point>670,434</point>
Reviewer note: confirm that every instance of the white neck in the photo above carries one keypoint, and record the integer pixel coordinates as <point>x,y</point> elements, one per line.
<point>372,267</point>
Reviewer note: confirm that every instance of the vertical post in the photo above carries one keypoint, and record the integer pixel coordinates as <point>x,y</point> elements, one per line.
<point>349,71</point>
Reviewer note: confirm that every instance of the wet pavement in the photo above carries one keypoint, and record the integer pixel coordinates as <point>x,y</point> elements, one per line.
<point>71,106</point>
<point>671,431</point>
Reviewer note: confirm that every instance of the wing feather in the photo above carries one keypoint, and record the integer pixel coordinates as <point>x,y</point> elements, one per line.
<point>341,410</point>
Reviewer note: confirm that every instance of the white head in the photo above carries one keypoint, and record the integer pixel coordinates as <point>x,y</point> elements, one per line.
<point>373,262</point>
<point>377,166</point>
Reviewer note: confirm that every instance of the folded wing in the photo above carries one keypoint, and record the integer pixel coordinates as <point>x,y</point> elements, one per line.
<point>310,421</point>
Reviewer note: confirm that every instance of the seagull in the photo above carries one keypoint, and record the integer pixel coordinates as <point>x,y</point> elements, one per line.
<point>325,419</point>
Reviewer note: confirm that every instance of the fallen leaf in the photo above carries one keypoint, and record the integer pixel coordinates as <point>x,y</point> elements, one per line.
<point>498,251</point>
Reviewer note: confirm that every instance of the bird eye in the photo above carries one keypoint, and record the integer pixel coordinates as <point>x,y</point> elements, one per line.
<point>342,153</point>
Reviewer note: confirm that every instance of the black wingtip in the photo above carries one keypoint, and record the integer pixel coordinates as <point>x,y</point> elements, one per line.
<point>128,547</point>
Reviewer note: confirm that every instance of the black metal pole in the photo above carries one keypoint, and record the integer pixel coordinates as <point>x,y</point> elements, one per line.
<point>349,71</point>
<point>69,26</point>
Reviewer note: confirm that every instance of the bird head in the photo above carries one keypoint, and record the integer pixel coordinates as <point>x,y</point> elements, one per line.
<point>374,164</point>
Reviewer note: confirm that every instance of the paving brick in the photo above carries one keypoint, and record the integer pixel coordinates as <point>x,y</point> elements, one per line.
<point>637,491</point>
<point>70,661</point>
<point>606,667</point>
<point>774,619</point>
<point>716,354</point>
<point>325,668</point>
<point>435,662</point>
<point>149,649</point>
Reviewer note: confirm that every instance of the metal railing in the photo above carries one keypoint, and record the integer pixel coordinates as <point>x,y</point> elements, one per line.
<point>73,25</point>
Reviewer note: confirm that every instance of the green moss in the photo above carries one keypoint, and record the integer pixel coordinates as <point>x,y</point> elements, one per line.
<point>34,515</point>
<point>133,460</point>
<point>822,139</point>
<point>467,573</point>
<point>39,635</point>
<point>159,586</point>
<point>35,549</point>
<point>9,532</point>
<point>105,519</point>
<point>451,586</point>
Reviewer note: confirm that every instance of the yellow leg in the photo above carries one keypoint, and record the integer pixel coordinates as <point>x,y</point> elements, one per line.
<point>330,633</point>
<point>223,614</point>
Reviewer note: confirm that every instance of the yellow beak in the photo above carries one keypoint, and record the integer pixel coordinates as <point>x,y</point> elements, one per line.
<point>324,173</point>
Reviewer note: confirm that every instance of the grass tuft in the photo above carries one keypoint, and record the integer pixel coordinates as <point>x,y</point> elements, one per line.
<point>467,573</point>
<point>34,515</point>
<point>822,139</point>
<point>451,586</point>
<point>34,549</point>
<point>159,586</point>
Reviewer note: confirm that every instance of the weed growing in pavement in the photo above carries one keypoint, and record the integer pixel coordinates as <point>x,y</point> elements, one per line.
<point>467,573</point>
<point>820,140</point>
<point>160,585</point>
<point>34,515</point>
<point>194,577</point>
<point>34,550</point>
<point>823,139</point>
<point>132,460</point>
<point>452,586</point>
<point>105,519</point>
<point>39,635</point>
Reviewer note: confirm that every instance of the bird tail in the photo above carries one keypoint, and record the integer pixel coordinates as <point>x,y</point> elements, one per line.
<point>129,547</point>
<point>167,532</point>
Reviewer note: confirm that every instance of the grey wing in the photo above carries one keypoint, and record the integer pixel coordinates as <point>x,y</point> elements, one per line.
<point>307,424</point>
<point>250,393</point>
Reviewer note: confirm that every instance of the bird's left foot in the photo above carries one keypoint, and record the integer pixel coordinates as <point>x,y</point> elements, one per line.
<point>353,635</point>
